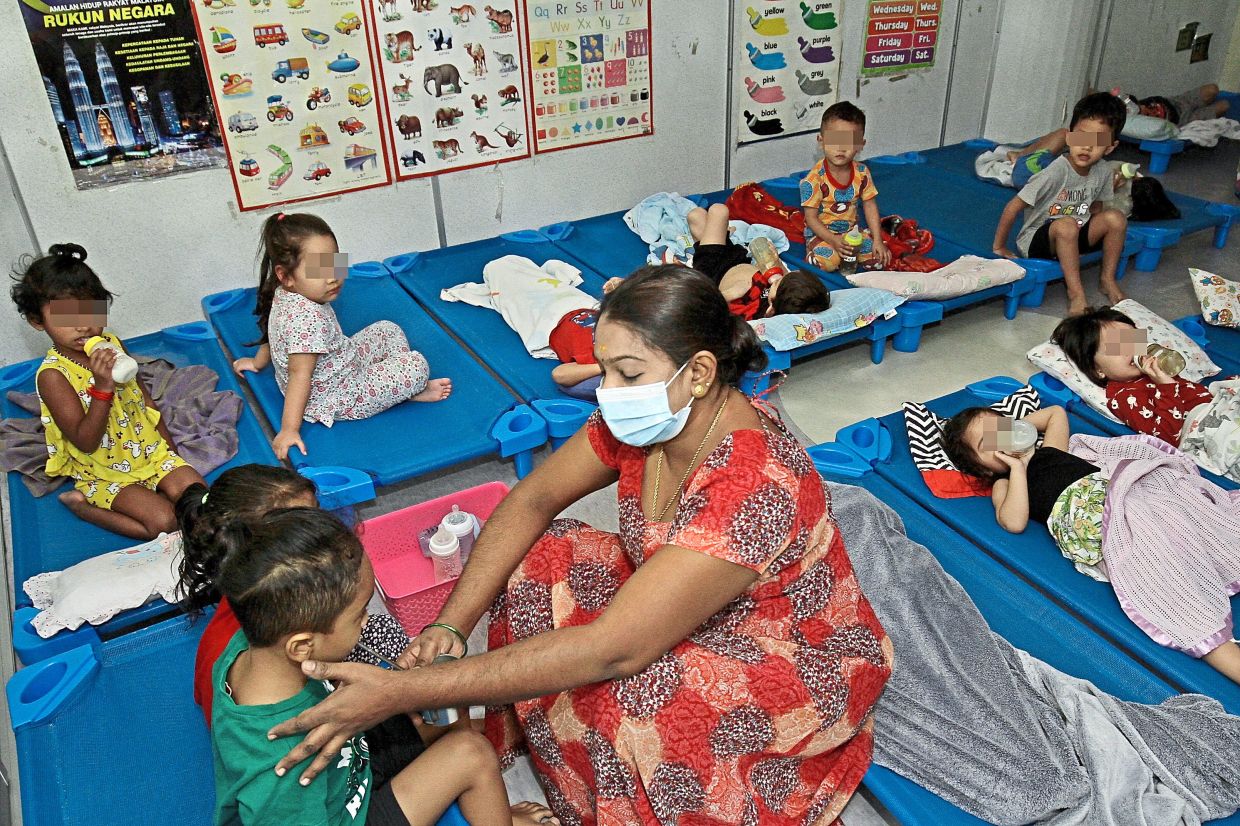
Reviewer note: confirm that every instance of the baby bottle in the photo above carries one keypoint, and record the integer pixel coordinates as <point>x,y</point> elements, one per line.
<point>854,238</point>
<point>441,716</point>
<point>124,368</point>
<point>1129,170</point>
<point>764,255</point>
<point>463,526</point>
<point>1169,361</point>
<point>1022,437</point>
<point>446,555</point>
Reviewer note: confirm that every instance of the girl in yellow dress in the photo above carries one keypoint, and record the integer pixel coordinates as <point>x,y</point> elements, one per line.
<point>107,437</point>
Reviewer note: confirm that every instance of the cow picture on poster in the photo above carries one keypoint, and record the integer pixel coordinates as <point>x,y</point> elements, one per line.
<point>452,80</point>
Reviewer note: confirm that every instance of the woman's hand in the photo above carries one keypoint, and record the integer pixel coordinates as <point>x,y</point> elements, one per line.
<point>286,439</point>
<point>101,362</point>
<point>364,696</point>
<point>428,645</point>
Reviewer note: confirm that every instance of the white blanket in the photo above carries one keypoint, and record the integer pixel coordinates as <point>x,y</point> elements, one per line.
<point>1207,132</point>
<point>531,299</point>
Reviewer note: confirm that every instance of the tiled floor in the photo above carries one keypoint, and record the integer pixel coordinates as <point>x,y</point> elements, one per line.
<point>843,386</point>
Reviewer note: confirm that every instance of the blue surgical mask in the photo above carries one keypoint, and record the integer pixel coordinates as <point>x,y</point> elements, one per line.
<point>642,415</point>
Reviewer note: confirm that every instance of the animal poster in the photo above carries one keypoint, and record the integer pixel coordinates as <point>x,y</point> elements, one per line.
<point>590,72</point>
<point>454,84</point>
<point>900,35</point>
<point>294,85</point>
<point>126,86</point>
<point>787,66</point>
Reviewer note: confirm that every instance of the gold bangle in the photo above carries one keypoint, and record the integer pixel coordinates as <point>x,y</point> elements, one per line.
<point>456,631</point>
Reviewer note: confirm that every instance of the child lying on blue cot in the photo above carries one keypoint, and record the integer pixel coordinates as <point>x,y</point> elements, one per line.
<point>324,374</point>
<point>299,582</point>
<point>1132,511</point>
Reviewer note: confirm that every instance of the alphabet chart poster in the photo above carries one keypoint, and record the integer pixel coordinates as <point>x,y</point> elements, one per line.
<point>589,71</point>
<point>293,82</point>
<point>453,83</point>
<point>900,35</point>
<point>787,68</point>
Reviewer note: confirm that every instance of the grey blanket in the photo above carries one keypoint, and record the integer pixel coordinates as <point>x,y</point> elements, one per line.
<point>201,421</point>
<point>1005,736</point>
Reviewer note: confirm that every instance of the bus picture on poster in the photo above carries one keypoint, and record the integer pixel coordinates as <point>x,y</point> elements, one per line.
<point>294,83</point>
<point>126,86</point>
<point>453,84</point>
<point>590,71</point>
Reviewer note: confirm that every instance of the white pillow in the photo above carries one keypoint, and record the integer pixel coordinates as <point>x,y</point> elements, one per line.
<point>1220,298</point>
<point>1144,127</point>
<point>967,274</point>
<point>1050,358</point>
<point>99,588</point>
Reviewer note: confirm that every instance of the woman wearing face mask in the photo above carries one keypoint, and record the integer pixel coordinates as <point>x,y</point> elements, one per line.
<point>715,660</point>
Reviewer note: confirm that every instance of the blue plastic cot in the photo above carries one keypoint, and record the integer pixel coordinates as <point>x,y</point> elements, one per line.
<point>424,274</point>
<point>883,444</point>
<point>109,735</point>
<point>1196,214</point>
<point>479,419</point>
<point>46,536</point>
<point>1053,391</point>
<point>1013,608</point>
<point>1222,344</point>
<point>606,245</point>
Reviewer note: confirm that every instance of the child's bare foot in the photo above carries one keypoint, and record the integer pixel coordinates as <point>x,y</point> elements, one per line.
<point>436,391</point>
<point>1113,293</point>
<point>1077,306</point>
<point>528,813</point>
<point>75,501</point>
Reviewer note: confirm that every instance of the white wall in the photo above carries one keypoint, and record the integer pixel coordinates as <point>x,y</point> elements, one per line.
<point>1140,56</point>
<point>16,339</point>
<point>1041,66</point>
<point>1230,77</point>
<point>903,112</point>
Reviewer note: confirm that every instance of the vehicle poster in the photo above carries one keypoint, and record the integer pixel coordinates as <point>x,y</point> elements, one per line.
<point>900,36</point>
<point>126,85</point>
<point>787,66</point>
<point>590,71</point>
<point>294,85</point>
<point>453,82</point>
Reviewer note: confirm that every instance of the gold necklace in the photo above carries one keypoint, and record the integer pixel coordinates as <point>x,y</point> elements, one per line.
<point>658,468</point>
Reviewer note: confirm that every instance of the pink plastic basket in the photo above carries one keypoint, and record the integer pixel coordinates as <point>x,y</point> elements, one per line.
<point>406,578</point>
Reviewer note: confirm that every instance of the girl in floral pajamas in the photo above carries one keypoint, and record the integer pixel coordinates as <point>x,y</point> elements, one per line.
<point>324,374</point>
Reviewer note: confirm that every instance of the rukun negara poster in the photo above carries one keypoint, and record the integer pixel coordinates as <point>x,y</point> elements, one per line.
<point>787,66</point>
<point>126,85</point>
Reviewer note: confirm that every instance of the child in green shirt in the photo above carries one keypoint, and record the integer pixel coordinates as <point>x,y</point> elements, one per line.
<point>299,584</point>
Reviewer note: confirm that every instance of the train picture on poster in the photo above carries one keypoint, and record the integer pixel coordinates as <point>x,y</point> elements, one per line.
<point>452,82</point>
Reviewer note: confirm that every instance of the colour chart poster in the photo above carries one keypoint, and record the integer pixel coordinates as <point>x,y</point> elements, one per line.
<point>787,68</point>
<point>590,72</point>
<point>294,85</point>
<point>126,85</point>
<point>454,85</point>
<point>900,35</point>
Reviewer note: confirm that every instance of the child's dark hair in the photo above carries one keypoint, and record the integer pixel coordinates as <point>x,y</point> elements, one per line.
<point>1101,106</point>
<point>678,311</point>
<point>282,240</point>
<point>243,494</point>
<point>957,448</point>
<point>1078,337</point>
<point>62,273</point>
<point>292,570</point>
<point>801,292</point>
<point>845,111</point>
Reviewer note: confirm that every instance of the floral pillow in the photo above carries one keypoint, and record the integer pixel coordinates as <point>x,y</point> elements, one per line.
<point>1220,298</point>
<point>967,274</point>
<point>1050,358</point>
<point>850,309</point>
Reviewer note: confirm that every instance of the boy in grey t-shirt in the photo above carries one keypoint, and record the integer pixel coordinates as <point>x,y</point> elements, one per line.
<point>1064,217</point>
